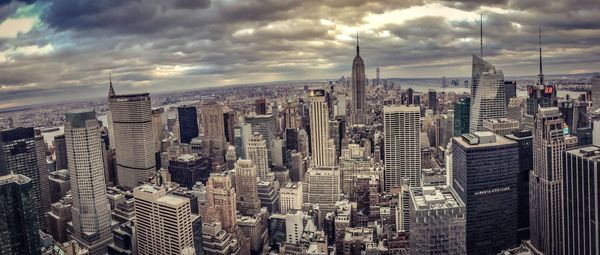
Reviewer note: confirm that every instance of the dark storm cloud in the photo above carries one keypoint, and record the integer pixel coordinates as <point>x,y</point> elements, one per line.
<point>166,45</point>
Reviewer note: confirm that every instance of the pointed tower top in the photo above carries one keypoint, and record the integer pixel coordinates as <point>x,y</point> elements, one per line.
<point>111,90</point>
<point>357,47</point>
<point>541,75</point>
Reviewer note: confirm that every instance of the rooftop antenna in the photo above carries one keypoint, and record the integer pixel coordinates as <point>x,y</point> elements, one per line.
<point>481,36</point>
<point>541,75</point>
<point>111,90</point>
<point>357,48</point>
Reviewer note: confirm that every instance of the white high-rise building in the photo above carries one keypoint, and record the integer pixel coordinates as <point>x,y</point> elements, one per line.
<point>401,127</point>
<point>164,221</point>
<point>246,187</point>
<point>487,94</point>
<point>133,137</point>
<point>258,153</point>
<point>290,197</point>
<point>294,226</point>
<point>90,210</point>
<point>322,186</point>
<point>323,147</point>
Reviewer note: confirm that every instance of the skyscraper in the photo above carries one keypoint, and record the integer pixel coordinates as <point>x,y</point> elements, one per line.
<point>485,171</point>
<point>188,169</point>
<point>358,88</point>
<point>18,218</point>
<point>322,186</point>
<point>213,127</point>
<point>402,154</point>
<point>433,101</point>
<point>377,76</point>
<point>220,203</point>
<point>266,125</point>
<point>241,136</point>
<point>323,147</point>
<point>260,106</point>
<point>487,94</point>
<point>525,141</point>
<point>90,210</point>
<point>164,221</point>
<point>437,221</point>
<point>581,201</point>
<point>259,154</point>
<point>595,83</point>
<point>462,110</point>
<point>60,152</point>
<point>133,137</point>
<point>188,123</point>
<point>510,90</point>
<point>246,188</point>
<point>18,155</point>
<point>545,181</point>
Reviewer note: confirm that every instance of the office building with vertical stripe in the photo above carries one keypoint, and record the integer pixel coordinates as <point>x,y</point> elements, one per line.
<point>485,177</point>
<point>18,219</point>
<point>323,147</point>
<point>402,153</point>
<point>90,210</point>
<point>581,201</point>
<point>133,137</point>
<point>188,123</point>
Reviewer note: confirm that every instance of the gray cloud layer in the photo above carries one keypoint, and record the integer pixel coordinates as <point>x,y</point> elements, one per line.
<point>164,45</point>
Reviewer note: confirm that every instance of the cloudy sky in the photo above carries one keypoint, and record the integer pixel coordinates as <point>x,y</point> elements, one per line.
<point>65,49</point>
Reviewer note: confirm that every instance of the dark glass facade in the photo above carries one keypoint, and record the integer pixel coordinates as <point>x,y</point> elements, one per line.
<point>187,172</point>
<point>18,218</point>
<point>581,201</point>
<point>525,140</point>
<point>461,116</point>
<point>188,123</point>
<point>486,179</point>
<point>510,90</point>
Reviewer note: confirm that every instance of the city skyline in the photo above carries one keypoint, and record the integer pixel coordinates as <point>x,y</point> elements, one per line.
<point>198,44</point>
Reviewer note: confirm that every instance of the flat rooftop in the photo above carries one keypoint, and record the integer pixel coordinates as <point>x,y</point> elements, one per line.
<point>427,198</point>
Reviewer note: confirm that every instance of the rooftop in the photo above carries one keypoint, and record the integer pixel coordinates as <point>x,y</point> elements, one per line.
<point>426,198</point>
<point>590,152</point>
<point>482,140</point>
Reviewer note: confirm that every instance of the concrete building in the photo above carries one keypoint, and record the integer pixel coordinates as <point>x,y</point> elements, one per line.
<point>485,171</point>
<point>322,187</point>
<point>259,154</point>
<point>595,82</point>
<point>217,241</point>
<point>59,183</point>
<point>437,220</point>
<point>545,181</point>
<point>581,201</point>
<point>487,94</point>
<point>290,196</point>
<point>164,221</point>
<point>241,136</point>
<point>402,153</point>
<point>255,229</point>
<point>58,217</point>
<point>322,146</point>
<point>90,210</point>
<point>266,126</point>
<point>220,203</point>
<point>213,128</point>
<point>268,195</point>
<point>131,117</point>
<point>18,216</point>
<point>501,126</point>
<point>246,187</point>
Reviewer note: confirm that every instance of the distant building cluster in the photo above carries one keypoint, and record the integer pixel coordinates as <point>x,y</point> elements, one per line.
<point>352,166</point>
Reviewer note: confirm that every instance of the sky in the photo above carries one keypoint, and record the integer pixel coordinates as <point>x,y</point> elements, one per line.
<point>65,49</point>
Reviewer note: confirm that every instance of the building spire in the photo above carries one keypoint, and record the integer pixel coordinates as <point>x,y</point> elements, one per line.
<point>541,75</point>
<point>481,36</point>
<point>357,47</point>
<point>111,90</point>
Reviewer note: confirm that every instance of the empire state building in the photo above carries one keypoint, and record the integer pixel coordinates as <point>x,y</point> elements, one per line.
<point>358,88</point>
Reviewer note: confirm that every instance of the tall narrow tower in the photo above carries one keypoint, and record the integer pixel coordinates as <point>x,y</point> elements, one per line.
<point>545,181</point>
<point>358,88</point>
<point>90,211</point>
<point>322,152</point>
<point>402,142</point>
